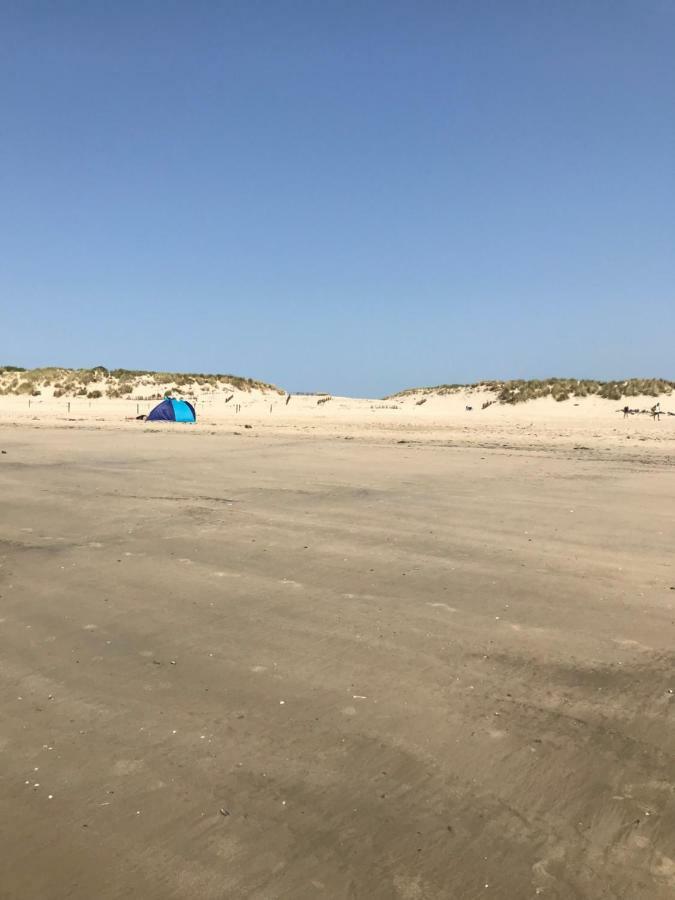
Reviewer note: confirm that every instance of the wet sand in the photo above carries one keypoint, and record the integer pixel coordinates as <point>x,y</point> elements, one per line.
<point>289,667</point>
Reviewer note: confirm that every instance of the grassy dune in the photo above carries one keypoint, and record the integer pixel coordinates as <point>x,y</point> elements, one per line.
<point>101,382</point>
<point>560,389</point>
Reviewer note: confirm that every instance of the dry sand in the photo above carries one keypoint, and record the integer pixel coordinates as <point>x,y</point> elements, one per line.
<point>281,664</point>
<point>589,424</point>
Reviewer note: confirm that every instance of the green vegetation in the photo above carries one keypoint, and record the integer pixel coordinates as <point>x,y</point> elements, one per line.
<point>560,389</point>
<point>121,390</point>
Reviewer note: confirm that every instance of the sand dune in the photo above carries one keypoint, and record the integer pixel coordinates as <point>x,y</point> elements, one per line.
<point>590,422</point>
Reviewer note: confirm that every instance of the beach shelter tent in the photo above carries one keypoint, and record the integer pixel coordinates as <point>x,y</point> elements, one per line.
<point>171,410</point>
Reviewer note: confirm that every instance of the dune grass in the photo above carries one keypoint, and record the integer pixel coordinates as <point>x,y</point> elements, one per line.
<point>101,382</point>
<point>561,389</point>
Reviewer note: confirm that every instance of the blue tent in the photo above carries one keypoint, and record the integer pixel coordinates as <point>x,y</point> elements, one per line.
<point>171,410</point>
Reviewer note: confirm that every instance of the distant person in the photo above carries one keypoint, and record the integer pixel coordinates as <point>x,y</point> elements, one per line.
<point>656,411</point>
<point>626,412</point>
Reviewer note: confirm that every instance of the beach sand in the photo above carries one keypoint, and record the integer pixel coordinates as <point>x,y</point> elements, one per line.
<point>585,424</point>
<point>308,660</point>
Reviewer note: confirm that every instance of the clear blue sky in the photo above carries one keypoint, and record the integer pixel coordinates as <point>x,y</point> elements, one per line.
<point>346,196</point>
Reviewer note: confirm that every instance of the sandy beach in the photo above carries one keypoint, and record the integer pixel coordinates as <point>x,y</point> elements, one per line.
<point>417,653</point>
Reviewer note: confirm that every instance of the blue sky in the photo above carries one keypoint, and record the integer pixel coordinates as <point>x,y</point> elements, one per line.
<point>354,197</point>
